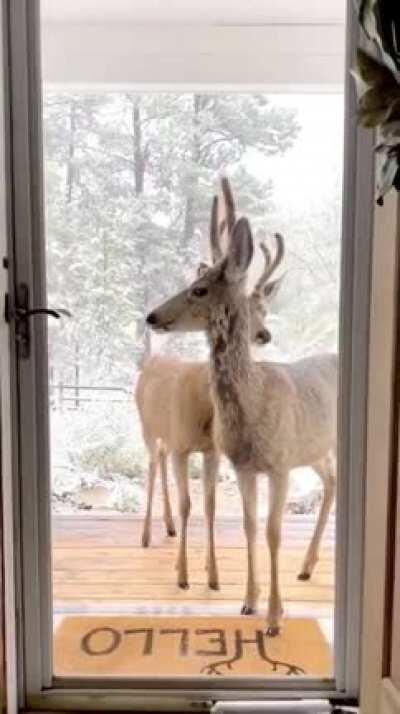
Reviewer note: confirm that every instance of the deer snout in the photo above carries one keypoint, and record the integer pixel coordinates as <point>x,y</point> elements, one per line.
<point>151,318</point>
<point>263,337</point>
<point>157,321</point>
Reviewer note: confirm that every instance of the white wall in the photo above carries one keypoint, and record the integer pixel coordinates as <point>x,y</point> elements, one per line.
<point>285,56</point>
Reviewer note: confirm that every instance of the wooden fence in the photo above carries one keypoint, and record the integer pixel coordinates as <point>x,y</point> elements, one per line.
<point>69,396</point>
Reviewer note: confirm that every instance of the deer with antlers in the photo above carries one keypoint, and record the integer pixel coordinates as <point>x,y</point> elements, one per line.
<point>176,411</point>
<point>268,417</point>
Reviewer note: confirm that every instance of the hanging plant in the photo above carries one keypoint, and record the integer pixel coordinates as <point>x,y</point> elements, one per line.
<point>378,87</point>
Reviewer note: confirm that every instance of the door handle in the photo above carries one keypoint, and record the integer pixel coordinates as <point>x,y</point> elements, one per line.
<point>21,313</point>
<point>57,313</point>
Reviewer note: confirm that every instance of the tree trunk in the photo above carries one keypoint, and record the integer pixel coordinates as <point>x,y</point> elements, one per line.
<point>77,375</point>
<point>138,153</point>
<point>143,334</point>
<point>69,181</point>
<point>193,179</point>
<point>103,308</point>
<point>70,178</point>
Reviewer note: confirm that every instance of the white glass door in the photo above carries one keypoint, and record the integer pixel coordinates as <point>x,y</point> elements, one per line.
<point>128,133</point>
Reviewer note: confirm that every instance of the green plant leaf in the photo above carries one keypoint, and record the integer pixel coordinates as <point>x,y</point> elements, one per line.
<point>373,72</point>
<point>388,166</point>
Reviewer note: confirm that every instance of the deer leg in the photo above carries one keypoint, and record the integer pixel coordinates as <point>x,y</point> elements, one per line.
<point>168,519</point>
<point>146,534</point>
<point>180,462</point>
<point>278,486</point>
<point>211,463</point>
<point>326,470</point>
<point>248,490</point>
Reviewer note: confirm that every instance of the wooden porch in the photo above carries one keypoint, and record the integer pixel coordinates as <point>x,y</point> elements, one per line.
<point>99,566</point>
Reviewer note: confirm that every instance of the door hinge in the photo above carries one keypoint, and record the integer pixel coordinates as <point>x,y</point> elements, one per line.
<point>20,312</point>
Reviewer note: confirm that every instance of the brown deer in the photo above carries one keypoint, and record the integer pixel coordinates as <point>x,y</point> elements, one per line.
<point>268,417</point>
<point>176,412</point>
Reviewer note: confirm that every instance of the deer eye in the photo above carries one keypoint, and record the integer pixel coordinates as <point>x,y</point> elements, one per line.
<point>199,292</point>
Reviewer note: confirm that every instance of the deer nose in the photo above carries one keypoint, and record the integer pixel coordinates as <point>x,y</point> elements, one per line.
<point>151,319</point>
<point>263,336</point>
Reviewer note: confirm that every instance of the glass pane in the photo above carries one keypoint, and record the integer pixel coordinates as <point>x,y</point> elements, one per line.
<point>129,178</point>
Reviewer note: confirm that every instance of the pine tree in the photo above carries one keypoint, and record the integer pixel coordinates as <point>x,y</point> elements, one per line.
<point>129,179</point>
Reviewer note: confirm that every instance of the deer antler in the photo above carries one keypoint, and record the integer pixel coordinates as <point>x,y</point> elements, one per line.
<point>227,222</point>
<point>216,251</point>
<point>270,264</point>
<point>229,204</point>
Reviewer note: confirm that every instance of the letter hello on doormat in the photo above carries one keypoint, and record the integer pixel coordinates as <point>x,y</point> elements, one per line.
<point>196,646</point>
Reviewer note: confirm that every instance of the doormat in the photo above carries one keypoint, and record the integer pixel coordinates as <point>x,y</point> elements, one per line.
<point>174,646</point>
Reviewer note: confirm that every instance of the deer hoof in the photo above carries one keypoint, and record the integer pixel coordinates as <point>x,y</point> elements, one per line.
<point>304,576</point>
<point>247,610</point>
<point>214,585</point>
<point>171,532</point>
<point>273,631</point>
<point>184,585</point>
<point>145,541</point>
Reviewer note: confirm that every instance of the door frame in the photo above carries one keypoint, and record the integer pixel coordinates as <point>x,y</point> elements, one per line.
<point>381,457</point>
<point>31,485</point>
<point>10,602</point>
<point>31,452</point>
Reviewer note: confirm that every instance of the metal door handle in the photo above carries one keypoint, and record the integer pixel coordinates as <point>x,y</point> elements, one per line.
<point>57,313</point>
<point>20,312</point>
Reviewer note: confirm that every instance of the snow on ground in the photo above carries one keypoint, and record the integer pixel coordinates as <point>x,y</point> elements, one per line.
<point>99,462</point>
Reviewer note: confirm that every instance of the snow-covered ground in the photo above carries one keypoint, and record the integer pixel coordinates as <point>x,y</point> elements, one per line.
<point>99,462</point>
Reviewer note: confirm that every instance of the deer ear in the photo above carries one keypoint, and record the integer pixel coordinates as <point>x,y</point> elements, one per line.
<point>272,288</point>
<point>240,251</point>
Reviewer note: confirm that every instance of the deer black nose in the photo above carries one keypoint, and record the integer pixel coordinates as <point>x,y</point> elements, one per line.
<point>263,336</point>
<point>151,319</point>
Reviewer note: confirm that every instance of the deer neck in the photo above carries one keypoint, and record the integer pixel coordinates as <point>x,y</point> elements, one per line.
<point>231,365</point>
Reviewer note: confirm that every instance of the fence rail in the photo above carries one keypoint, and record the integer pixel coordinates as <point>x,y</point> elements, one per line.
<point>74,396</point>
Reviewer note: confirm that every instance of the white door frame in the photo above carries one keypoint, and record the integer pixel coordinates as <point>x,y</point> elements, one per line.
<point>358,201</point>
<point>32,505</point>
<point>7,374</point>
<point>380,449</point>
<point>32,510</point>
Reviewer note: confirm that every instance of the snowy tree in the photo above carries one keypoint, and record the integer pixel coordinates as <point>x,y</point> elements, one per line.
<point>129,184</point>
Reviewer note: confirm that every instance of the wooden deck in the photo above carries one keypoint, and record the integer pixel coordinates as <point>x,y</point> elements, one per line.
<point>100,567</point>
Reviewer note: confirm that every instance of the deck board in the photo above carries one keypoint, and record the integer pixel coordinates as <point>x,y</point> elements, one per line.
<point>98,564</point>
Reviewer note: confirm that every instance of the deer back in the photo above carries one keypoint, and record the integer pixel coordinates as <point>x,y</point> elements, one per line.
<point>174,403</point>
